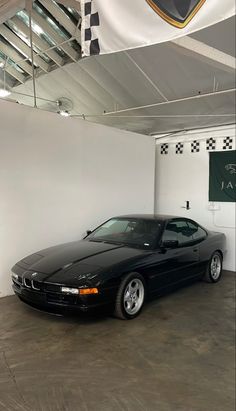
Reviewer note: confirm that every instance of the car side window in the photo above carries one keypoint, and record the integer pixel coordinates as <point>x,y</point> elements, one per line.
<point>169,234</point>
<point>198,233</point>
<point>178,230</point>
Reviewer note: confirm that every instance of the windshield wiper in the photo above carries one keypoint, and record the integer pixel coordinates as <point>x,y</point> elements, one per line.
<point>107,241</point>
<point>113,242</point>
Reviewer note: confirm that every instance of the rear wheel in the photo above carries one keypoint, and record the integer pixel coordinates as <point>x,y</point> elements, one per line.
<point>130,297</point>
<point>214,268</point>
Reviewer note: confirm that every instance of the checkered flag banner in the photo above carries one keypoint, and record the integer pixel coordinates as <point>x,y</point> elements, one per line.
<point>90,22</point>
<point>195,146</point>
<point>164,148</point>
<point>210,144</point>
<point>228,143</point>
<point>179,148</point>
<point>109,26</point>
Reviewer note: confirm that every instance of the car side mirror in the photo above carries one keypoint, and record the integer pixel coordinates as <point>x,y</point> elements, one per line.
<point>85,235</point>
<point>170,244</point>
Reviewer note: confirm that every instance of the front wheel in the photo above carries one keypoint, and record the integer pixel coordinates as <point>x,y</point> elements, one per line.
<point>214,268</point>
<point>130,297</point>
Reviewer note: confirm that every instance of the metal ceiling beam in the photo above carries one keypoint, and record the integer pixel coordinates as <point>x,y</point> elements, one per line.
<point>10,52</point>
<point>55,37</point>
<point>14,73</point>
<point>193,131</point>
<point>9,8</point>
<point>207,54</point>
<point>62,18</point>
<point>165,103</point>
<point>23,47</point>
<point>158,116</point>
<point>70,3</point>
<point>39,43</point>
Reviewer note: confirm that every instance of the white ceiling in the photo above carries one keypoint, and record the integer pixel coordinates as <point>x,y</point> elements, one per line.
<point>115,89</point>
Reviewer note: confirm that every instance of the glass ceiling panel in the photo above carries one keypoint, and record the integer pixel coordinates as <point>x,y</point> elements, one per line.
<point>5,58</point>
<point>39,31</point>
<point>15,47</point>
<point>21,30</point>
<point>10,81</point>
<point>51,20</point>
<point>70,13</point>
<point>24,17</point>
<point>74,14</point>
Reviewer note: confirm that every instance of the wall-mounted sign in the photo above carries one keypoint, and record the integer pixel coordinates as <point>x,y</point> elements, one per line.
<point>222,182</point>
<point>114,25</point>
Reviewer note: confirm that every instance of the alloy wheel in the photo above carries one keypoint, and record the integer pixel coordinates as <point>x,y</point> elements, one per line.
<point>133,296</point>
<point>215,267</point>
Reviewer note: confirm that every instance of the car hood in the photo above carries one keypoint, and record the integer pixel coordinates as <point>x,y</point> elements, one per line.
<point>76,260</point>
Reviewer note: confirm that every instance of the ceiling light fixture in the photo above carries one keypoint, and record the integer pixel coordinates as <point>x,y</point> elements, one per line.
<point>4,93</point>
<point>65,105</point>
<point>64,113</point>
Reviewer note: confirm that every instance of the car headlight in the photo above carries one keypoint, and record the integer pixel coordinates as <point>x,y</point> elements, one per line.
<point>15,277</point>
<point>79,291</point>
<point>68,290</point>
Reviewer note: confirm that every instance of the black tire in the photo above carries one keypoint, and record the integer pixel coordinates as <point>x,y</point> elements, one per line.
<point>121,307</point>
<point>213,274</point>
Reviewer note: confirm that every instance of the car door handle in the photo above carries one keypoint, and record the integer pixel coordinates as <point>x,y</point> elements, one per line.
<point>195,250</point>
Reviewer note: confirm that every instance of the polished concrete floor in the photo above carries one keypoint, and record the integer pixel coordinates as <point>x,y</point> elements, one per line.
<point>177,356</point>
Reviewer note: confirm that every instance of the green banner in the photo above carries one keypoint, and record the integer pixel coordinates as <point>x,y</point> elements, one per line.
<point>222,182</point>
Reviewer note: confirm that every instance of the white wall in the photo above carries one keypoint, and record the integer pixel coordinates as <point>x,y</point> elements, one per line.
<point>59,177</point>
<point>186,177</point>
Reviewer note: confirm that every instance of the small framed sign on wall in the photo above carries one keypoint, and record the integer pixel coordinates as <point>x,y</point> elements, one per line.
<point>222,180</point>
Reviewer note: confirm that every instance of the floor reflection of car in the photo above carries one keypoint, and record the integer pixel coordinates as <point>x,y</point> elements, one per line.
<point>120,264</point>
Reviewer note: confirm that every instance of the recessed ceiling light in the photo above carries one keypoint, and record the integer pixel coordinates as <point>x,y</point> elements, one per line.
<point>1,64</point>
<point>4,92</point>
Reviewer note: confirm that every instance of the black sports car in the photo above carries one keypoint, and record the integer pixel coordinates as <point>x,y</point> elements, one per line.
<point>120,264</point>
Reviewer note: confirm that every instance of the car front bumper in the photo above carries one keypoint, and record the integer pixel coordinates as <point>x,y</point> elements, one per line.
<point>63,303</point>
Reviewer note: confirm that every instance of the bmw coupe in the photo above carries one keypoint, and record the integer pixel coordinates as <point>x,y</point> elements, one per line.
<point>120,265</point>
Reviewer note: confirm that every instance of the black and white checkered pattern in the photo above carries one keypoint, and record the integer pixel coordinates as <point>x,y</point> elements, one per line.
<point>210,144</point>
<point>164,148</point>
<point>228,143</point>
<point>179,148</point>
<point>91,20</point>
<point>195,146</point>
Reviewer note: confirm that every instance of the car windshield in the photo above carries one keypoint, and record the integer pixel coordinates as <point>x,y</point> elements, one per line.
<point>135,232</point>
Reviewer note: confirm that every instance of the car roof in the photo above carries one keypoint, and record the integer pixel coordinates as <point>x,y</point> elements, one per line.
<point>157,217</point>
